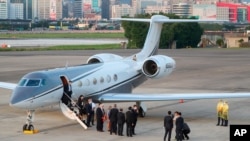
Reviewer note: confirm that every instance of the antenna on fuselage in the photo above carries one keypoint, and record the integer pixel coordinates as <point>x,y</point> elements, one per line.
<point>66,65</point>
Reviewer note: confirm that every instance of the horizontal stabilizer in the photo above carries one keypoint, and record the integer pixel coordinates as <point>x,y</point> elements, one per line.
<point>167,20</point>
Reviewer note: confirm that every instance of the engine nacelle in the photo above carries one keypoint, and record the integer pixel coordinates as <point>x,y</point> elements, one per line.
<point>158,66</point>
<point>104,57</point>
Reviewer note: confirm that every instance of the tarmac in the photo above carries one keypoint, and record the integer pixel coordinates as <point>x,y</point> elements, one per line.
<point>197,71</point>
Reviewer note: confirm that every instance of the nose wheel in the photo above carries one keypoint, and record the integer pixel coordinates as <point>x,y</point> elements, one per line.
<point>28,127</point>
<point>29,120</point>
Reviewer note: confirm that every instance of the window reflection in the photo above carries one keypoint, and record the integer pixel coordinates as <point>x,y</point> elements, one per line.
<point>22,82</point>
<point>33,82</point>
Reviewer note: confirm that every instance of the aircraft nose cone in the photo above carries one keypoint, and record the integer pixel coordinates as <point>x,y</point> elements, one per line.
<point>13,101</point>
<point>17,99</point>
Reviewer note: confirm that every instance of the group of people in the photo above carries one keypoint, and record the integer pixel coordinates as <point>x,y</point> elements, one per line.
<point>222,113</point>
<point>181,128</point>
<point>86,109</point>
<point>87,112</point>
<point>115,117</point>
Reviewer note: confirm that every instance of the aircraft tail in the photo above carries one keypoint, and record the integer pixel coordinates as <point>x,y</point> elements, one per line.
<point>151,44</point>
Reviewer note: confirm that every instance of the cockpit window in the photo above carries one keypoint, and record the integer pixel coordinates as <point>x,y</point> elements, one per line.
<point>33,82</point>
<point>22,82</point>
<point>43,82</point>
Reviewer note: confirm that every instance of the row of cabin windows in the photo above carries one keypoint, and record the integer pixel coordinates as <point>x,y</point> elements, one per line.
<point>101,80</point>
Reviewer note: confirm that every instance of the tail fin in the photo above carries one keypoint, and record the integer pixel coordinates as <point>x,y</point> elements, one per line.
<point>151,44</point>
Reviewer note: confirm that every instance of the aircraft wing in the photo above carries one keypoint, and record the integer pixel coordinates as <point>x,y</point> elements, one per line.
<point>128,97</point>
<point>6,85</point>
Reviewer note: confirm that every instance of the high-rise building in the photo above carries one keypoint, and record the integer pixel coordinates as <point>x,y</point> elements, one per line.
<point>78,9</point>
<point>96,6</point>
<point>128,2</point>
<point>215,1</point>
<point>204,11</point>
<point>105,9</point>
<point>16,9</point>
<point>31,11</point>
<point>136,4</point>
<point>3,9</point>
<point>233,12</point>
<point>182,9</point>
<point>118,11</point>
<point>50,9</point>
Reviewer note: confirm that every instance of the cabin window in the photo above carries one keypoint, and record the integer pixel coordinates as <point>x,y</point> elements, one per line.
<point>43,82</point>
<point>33,82</point>
<point>94,81</point>
<point>22,82</point>
<point>86,82</point>
<point>115,77</point>
<point>79,84</point>
<point>108,78</point>
<point>102,80</point>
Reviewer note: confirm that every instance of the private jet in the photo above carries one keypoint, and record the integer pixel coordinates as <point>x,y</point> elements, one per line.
<point>105,78</point>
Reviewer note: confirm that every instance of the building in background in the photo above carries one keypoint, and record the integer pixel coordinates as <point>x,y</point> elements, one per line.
<point>215,1</point>
<point>204,11</point>
<point>78,9</point>
<point>105,6</point>
<point>3,9</point>
<point>157,9</point>
<point>234,12</point>
<point>31,11</point>
<point>16,9</point>
<point>50,9</point>
<point>182,9</point>
<point>128,2</point>
<point>96,6</point>
<point>118,11</point>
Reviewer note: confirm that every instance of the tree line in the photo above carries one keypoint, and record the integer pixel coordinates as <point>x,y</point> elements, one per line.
<point>184,34</point>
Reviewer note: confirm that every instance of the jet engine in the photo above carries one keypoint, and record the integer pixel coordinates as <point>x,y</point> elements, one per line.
<point>104,57</point>
<point>158,66</point>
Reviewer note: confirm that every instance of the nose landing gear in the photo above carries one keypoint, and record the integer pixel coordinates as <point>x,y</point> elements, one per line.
<point>28,127</point>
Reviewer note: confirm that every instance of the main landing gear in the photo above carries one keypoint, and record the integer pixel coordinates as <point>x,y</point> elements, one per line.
<point>30,117</point>
<point>142,109</point>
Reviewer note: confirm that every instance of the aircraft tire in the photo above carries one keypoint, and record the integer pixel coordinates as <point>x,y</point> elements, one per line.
<point>141,112</point>
<point>25,127</point>
<point>31,127</point>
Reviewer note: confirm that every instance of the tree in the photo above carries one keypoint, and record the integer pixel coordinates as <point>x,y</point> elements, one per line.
<point>211,27</point>
<point>186,34</point>
<point>220,42</point>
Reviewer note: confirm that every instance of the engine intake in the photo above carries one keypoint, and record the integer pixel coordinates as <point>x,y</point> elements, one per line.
<point>158,66</point>
<point>105,57</point>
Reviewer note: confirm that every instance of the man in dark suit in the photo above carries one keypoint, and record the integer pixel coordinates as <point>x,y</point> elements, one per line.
<point>168,125</point>
<point>89,111</point>
<point>99,118</point>
<point>179,126</point>
<point>120,121</point>
<point>129,121</point>
<point>135,113</point>
<point>186,130</point>
<point>113,119</point>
